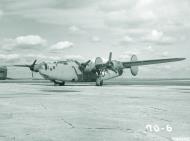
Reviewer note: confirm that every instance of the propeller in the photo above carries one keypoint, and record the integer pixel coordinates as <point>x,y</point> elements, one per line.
<point>82,66</point>
<point>109,64</point>
<point>110,57</point>
<point>31,67</point>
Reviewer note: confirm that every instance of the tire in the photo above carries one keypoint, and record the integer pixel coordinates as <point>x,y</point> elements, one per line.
<point>99,81</point>
<point>59,84</point>
<point>62,84</point>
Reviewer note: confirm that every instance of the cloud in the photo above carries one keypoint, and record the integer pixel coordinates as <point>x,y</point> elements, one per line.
<point>49,58</point>
<point>109,5</point>
<point>30,40</point>
<point>149,49</point>
<point>152,37</point>
<point>158,37</point>
<point>165,54</point>
<point>28,58</point>
<point>137,15</point>
<point>77,30</point>
<point>127,39</point>
<point>164,20</point>
<point>74,28</point>
<point>61,45</point>
<point>126,56</point>
<point>96,39</point>
<point>69,4</point>
<point>23,5</point>
<point>144,52</point>
<point>75,57</point>
<point>1,13</point>
<point>9,58</point>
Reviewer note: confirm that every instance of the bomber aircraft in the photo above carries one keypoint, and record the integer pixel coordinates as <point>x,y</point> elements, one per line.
<point>71,70</point>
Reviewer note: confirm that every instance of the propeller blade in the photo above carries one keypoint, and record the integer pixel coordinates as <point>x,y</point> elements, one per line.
<point>110,57</point>
<point>34,63</point>
<point>32,74</point>
<point>31,67</point>
<point>82,66</point>
<point>87,63</point>
<point>109,63</point>
<point>77,62</point>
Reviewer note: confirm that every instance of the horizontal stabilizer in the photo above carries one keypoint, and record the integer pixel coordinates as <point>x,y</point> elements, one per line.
<point>149,62</point>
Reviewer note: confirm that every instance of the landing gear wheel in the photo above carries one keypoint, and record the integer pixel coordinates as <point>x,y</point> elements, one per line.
<point>62,84</point>
<point>58,83</point>
<point>99,81</point>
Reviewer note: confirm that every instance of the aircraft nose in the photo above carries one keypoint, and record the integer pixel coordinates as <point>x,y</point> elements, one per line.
<point>43,73</point>
<point>43,67</point>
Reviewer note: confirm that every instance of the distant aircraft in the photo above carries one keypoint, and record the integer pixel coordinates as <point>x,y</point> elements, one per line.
<point>3,72</point>
<point>71,70</point>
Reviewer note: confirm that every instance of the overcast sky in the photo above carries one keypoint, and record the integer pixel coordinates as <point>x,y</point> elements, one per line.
<point>83,29</point>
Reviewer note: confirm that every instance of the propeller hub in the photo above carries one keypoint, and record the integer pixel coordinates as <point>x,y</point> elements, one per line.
<point>82,66</point>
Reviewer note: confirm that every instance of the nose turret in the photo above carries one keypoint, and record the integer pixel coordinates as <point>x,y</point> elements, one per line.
<point>44,73</point>
<point>44,70</point>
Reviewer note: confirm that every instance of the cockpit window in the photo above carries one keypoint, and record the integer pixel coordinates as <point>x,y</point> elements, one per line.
<point>63,62</point>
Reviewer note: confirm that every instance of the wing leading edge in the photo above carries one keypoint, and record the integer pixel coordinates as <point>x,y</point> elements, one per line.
<point>149,62</point>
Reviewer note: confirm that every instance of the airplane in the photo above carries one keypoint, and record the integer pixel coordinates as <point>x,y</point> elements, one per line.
<point>3,72</point>
<point>71,70</point>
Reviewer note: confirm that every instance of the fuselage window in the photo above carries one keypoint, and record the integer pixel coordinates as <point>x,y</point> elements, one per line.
<point>50,69</point>
<point>53,67</point>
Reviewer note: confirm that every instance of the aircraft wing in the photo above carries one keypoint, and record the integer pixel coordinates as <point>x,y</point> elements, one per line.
<point>149,62</point>
<point>21,65</point>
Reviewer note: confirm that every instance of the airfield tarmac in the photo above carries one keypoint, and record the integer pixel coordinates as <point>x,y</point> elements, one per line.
<point>118,111</point>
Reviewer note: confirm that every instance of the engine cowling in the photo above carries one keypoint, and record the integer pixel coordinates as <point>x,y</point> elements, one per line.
<point>117,65</point>
<point>134,69</point>
<point>98,61</point>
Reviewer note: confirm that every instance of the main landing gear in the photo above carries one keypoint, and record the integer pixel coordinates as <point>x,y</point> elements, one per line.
<point>59,83</point>
<point>99,81</point>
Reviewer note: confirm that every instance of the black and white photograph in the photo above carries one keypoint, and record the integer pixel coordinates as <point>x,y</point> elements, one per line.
<point>94,70</point>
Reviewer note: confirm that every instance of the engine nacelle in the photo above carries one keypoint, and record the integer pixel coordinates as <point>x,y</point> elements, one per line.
<point>134,69</point>
<point>89,67</point>
<point>117,65</point>
<point>98,61</point>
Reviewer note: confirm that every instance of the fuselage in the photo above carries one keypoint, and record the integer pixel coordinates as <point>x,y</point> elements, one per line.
<point>69,71</point>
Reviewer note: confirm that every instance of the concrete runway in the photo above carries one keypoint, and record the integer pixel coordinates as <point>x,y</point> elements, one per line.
<point>83,112</point>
